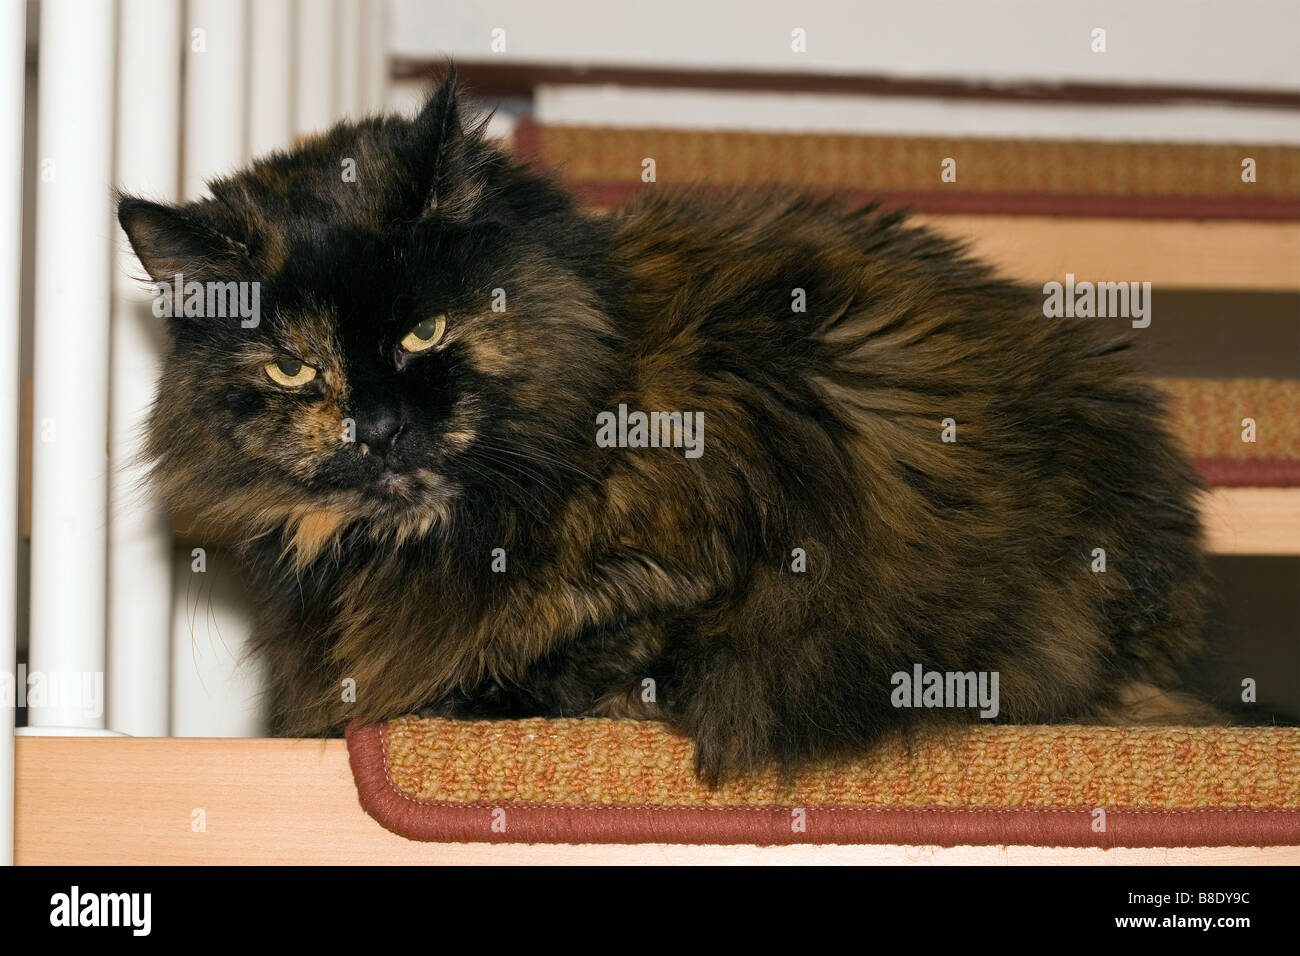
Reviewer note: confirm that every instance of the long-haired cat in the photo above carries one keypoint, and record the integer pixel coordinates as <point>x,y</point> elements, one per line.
<point>875,458</point>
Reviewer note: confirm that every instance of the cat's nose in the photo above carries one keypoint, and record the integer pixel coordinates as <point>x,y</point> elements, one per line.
<point>376,433</point>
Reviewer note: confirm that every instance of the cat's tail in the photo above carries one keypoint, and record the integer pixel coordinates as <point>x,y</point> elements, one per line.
<point>1140,704</point>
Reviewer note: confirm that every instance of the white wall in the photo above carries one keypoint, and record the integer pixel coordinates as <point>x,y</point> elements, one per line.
<point>911,115</point>
<point>1240,44</point>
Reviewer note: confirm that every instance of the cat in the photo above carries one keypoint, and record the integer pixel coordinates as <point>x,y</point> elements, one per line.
<point>903,466</point>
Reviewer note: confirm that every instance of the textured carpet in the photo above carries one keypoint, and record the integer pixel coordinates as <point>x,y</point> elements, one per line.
<point>1207,413</point>
<point>608,781</point>
<point>1040,176</point>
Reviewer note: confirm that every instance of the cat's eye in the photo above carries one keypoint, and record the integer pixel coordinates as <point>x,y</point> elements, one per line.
<point>290,373</point>
<point>426,334</point>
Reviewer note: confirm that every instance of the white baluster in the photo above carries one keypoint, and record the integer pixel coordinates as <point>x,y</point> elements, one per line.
<point>13,50</point>
<point>212,693</point>
<point>316,93</point>
<point>349,39</point>
<point>150,48</point>
<point>216,77</point>
<point>375,60</point>
<point>74,243</point>
<point>270,75</point>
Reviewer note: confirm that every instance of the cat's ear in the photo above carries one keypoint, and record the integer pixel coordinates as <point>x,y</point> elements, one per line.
<point>450,153</point>
<point>173,240</point>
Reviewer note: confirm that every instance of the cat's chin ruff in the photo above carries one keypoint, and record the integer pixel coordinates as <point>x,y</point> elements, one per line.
<point>319,530</point>
<point>409,523</point>
<point>312,528</point>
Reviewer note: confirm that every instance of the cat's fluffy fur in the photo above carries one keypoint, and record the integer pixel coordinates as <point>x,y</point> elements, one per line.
<point>623,566</point>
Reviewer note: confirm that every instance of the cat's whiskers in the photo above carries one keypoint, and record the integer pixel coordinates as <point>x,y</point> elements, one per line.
<point>495,474</point>
<point>547,490</point>
<point>539,454</point>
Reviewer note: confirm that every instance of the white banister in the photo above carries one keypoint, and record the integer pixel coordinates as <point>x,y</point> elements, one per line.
<point>74,242</point>
<point>270,75</point>
<point>216,77</point>
<point>216,687</point>
<point>212,693</point>
<point>150,47</point>
<point>316,85</point>
<point>375,61</point>
<point>348,44</point>
<point>13,50</point>
<point>350,53</point>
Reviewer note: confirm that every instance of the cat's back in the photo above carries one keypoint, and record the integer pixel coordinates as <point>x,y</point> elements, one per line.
<point>782,287</point>
<point>819,322</point>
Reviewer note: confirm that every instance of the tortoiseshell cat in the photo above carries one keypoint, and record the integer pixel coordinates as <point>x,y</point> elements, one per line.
<point>407,442</point>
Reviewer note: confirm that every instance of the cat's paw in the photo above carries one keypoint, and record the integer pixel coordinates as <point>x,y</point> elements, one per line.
<point>729,745</point>
<point>718,761</point>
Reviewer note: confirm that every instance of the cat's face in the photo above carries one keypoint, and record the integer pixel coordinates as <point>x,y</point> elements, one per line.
<point>423,338</point>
